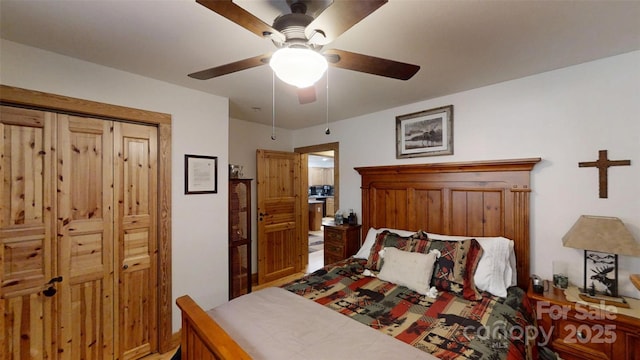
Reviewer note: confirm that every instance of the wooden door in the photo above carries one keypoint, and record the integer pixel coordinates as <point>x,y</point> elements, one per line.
<point>60,218</point>
<point>26,233</point>
<point>282,240</point>
<point>135,184</point>
<point>85,238</point>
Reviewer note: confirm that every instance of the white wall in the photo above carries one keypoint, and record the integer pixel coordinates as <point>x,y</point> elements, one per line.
<point>563,116</point>
<point>244,139</point>
<point>200,126</point>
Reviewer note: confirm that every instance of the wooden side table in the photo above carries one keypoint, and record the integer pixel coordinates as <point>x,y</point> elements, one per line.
<point>579,331</point>
<point>340,242</point>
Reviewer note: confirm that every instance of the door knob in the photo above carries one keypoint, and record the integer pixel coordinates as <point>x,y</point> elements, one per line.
<point>125,266</point>
<point>51,290</point>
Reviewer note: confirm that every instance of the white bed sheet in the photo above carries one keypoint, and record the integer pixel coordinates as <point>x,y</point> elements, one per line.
<point>275,324</point>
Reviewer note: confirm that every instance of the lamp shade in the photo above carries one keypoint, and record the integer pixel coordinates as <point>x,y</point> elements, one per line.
<point>300,67</point>
<point>602,234</point>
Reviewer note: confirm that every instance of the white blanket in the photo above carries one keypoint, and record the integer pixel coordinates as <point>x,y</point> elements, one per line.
<point>275,324</point>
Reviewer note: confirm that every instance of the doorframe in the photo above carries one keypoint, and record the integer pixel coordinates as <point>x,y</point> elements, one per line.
<point>10,95</point>
<point>335,146</point>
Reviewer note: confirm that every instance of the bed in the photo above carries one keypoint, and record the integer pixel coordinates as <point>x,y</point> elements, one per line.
<point>472,200</point>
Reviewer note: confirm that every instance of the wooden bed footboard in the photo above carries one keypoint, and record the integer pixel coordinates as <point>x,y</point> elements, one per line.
<point>202,337</point>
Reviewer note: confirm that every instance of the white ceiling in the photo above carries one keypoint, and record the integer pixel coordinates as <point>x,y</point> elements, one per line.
<point>459,45</point>
<point>320,161</point>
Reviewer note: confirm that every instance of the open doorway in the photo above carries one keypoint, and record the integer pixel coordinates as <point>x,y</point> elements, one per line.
<point>322,186</point>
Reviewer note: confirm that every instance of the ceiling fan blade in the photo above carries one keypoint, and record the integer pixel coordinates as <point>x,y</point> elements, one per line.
<point>370,64</point>
<point>307,95</point>
<point>231,67</point>
<point>240,16</point>
<point>339,17</point>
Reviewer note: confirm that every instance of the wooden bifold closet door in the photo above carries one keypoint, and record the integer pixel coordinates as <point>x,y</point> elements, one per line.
<point>77,226</point>
<point>136,182</point>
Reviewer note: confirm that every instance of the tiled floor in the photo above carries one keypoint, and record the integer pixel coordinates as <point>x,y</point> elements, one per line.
<point>316,261</point>
<point>316,258</point>
<point>319,233</point>
<point>316,241</point>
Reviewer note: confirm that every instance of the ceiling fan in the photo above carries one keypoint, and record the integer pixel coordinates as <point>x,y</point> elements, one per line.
<point>298,32</point>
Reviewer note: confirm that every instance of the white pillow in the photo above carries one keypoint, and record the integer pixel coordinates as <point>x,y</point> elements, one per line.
<point>370,239</point>
<point>496,270</point>
<point>409,269</point>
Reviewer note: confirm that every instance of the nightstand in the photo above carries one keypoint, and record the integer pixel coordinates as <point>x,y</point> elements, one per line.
<point>583,332</point>
<point>340,242</point>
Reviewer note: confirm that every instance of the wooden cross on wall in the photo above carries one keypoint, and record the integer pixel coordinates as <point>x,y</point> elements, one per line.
<point>603,164</point>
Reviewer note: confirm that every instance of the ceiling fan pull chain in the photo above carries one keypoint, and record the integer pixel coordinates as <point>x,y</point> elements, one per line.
<point>327,131</point>
<point>273,105</point>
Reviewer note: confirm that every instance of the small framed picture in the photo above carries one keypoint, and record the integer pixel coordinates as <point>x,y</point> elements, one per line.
<point>425,133</point>
<point>200,174</point>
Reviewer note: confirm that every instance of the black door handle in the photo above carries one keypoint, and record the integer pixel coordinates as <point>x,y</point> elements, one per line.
<point>55,280</point>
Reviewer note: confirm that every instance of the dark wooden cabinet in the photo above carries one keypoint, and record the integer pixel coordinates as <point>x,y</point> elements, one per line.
<point>340,242</point>
<point>239,237</point>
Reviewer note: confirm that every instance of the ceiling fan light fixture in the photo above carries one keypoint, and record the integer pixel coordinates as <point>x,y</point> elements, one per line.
<point>298,66</point>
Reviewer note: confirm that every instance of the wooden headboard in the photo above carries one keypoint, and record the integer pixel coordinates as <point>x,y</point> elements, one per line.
<point>482,198</point>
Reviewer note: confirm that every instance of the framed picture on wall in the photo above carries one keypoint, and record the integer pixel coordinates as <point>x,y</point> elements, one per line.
<point>425,133</point>
<point>200,174</point>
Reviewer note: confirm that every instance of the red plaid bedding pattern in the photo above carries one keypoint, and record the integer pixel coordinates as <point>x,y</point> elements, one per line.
<point>448,327</point>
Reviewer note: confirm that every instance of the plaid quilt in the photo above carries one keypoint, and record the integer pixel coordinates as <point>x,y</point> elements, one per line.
<point>449,327</point>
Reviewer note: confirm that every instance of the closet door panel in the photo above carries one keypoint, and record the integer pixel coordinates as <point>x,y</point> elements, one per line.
<point>26,235</point>
<point>85,238</point>
<point>136,187</point>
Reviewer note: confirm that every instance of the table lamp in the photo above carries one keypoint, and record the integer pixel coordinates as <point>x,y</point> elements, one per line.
<point>602,238</point>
